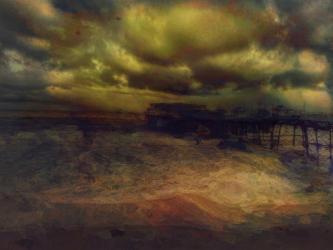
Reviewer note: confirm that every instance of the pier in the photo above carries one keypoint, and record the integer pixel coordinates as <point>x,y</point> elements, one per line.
<point>262,127</point>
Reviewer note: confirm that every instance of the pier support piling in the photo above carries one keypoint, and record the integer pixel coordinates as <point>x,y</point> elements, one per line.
<point>305,140</point>
<point>330,145</point>
<point>279,137</point>
<point>317,145</point>
<point>272,137</point>
<point>294,135</point>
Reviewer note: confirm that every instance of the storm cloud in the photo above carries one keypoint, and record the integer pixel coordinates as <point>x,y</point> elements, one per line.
<point>125,55</point>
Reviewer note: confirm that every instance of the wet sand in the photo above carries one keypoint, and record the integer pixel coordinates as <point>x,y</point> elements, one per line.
<point>144,190</point>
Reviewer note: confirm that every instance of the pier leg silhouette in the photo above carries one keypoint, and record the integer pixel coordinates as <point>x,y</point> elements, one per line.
<point>272,137</point>
<point>317,145</point>
<point>279,137</point>
<point>294,135</point>
<point>305,140</point>
<point>330,145</point>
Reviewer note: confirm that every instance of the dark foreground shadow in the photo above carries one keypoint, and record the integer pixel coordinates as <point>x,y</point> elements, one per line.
<point>306,238</point>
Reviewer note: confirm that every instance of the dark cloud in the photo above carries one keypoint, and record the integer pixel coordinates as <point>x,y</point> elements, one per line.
<point>10,40</point>
<point>297,79</point>
<point>14,19</point>
<point>17,22</point>
<point>310,26</point>
<point>23,54</point>
<point>172,80</point>
<point>310,20</point>
<point>78,6</point>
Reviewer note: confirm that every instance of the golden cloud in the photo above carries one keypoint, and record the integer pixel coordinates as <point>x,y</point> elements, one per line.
<point>175,52</point>
<point>111,98</point>
<point>184,31</point>
<point>250,64</point>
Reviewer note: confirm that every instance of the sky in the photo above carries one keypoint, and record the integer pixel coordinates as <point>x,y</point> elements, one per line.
<point>123,55</point>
